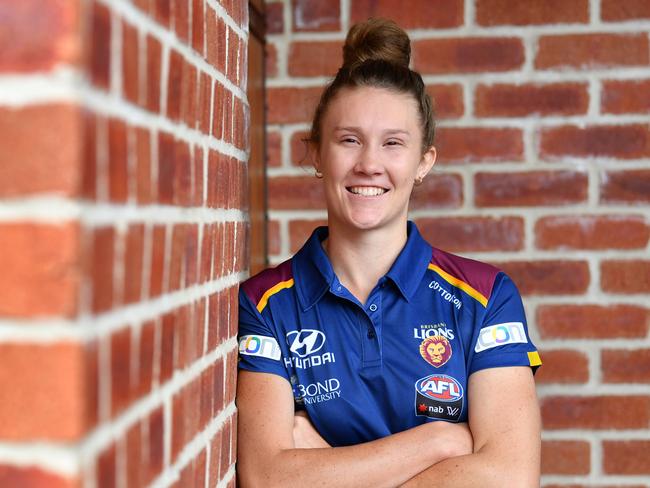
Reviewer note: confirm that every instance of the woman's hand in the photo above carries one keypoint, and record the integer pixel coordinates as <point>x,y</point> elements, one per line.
<point>305,436</point>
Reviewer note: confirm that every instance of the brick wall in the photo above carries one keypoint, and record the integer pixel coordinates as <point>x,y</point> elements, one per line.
<point>122,237</point>
<point>544,144</point>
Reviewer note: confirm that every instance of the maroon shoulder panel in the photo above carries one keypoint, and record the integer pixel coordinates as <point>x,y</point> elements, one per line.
<point>257,285</point>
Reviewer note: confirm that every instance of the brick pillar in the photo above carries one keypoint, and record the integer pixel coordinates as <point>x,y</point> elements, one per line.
<point>543,141</point>
<point>122,240</point>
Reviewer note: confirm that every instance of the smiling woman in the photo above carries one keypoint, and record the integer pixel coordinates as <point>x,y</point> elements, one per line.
<point>363,357</point>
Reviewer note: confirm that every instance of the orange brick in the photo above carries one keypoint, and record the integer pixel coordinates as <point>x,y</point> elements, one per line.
<point>626,96</point>
<point>531,12</point>
<point>40,269</point>
<point>626,457</point>
<point>34,477</point>
<point>468,55</point>
<point>621,10</point>
<point>563,366</point>
<point>592,51</point>
<point>50,391</point>
<point>625,276</point>
<point>35,158</point>
<point>565,457</point>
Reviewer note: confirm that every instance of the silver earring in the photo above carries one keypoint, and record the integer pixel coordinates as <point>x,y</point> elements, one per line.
<point>318,174</point>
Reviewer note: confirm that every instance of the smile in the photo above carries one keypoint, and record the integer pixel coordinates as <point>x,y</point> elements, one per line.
<point>367,191</point>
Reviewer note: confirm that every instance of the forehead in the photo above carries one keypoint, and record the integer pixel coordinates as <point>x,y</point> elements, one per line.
<point>372,108</point>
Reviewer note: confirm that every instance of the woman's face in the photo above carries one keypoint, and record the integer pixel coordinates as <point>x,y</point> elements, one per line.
<point>370,156</point>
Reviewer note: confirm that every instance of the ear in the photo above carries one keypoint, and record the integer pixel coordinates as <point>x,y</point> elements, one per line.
<point>313,155</point>
<point>427,162</point>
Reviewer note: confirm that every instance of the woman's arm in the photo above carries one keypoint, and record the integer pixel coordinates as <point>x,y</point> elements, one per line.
<point>267,455</point>
<point>505,423</point>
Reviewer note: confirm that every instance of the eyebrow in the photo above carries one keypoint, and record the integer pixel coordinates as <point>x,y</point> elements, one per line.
<point>358,129</point>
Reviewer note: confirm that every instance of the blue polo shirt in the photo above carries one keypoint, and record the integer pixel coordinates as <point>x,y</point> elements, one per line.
<point>365,371</point>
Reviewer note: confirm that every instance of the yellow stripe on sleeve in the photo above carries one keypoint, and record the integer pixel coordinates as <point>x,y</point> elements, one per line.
<point>272,291</point>
<point>478,296</point>
<point>534,359</point>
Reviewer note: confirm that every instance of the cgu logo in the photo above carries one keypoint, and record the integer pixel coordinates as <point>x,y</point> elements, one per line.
<point>440,387</point>
<point>305,342</point>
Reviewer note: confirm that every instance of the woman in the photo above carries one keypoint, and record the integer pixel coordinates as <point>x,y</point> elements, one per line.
<point>364,356</point>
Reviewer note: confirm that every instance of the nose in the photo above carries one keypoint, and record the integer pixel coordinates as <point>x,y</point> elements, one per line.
<point>369,161</point>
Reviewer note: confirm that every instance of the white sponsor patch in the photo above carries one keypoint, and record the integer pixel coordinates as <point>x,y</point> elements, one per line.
<point>262,346</point>
<point>500,335</point>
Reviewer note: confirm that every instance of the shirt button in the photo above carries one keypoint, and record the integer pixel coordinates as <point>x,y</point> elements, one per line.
<point>338,288</point>
<point>373,308</point>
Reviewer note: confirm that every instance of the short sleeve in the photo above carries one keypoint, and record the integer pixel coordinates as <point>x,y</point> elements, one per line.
<point>259,350</point>
<point>502,338</point>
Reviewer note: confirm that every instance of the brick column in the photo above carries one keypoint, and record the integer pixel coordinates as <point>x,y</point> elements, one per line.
<point>123,227</point>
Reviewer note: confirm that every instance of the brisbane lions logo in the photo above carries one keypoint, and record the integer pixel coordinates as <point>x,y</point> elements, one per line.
<point>435,350</point>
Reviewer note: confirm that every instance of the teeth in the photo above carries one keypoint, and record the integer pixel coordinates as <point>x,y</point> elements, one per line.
<point>367,191</point>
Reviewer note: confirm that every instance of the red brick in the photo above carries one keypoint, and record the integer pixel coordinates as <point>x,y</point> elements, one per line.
<point>533,188</point>
<point>155,446</point>
<point>476,144</point>
<point>549,277</point>
<point>274,17</point>
<point>592,232</point>
<point>291,105</point>
<point>273,237</point>
<point>315,15</point>
<point>161,10</point>
<point>154,60</point>
<point>117,161</point>
<point>625,366</point>
<point>595,412</point>
<point>565,457</point>
<point>143,166</point>
<point>311,58</point>
<point>199,180</point>
<point>507,100</point>
<point>176,257</point>
<point>621,10</point>
<point>592,51</point>
<point>166,167</point>
<point>447,100</point>
<point>188,98</point>
<point>626,96</point>
<point>299,150</point>
<point>299,232</point>
<point>167,346</point>
<point>198,14</point>
<point>120,370</point>
<point>134,464</point>
<point>36,158</point>
<point>629,276</point>
<point>204,103</point>
<point>271,60</point>
<point>273,149</point>
<point>563,366</point>
<point>291,192</point>
<point>50,391</point>
<point>174,88</point>
<point>107,468</point>
<point>99,52</point>
<point>473,234</point>
<point>157,266</point>
<point>102,255</point>
<point>88,154</point>
<point>146,358</point>
<point>52,36</point>
<point>615,141</point>
<point>34,477</point>
<point>213,40</point>
<point>133,261</point>
<point>468,55</point>
<point>531,12</point>
<point>626,187</point>
<point>130,63</point>
<point>591,321</point>
<point>221,46</point>
<point>40,275</point>
<point>180,18</point>
<point>182,174</point>
<point>420,14</point>
<point>438,190</point>
<point>626,457</point>
<point>215,458</point>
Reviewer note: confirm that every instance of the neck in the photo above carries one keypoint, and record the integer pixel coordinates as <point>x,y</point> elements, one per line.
<point>361,257</point>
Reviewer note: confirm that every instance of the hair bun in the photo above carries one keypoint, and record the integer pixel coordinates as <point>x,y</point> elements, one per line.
<point>376,39</point>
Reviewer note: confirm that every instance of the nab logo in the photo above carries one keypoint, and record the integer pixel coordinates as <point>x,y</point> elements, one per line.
<point>440,387</point>
<point>305,342</point>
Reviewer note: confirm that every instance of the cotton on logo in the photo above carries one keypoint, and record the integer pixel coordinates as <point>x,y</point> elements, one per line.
<point>305,342</point>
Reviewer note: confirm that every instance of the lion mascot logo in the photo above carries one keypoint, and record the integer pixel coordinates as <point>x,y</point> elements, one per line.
<point>435,350</point>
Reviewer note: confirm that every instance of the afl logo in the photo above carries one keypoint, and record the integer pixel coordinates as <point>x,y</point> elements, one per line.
<point>305,342</point>
<point>440,387</point>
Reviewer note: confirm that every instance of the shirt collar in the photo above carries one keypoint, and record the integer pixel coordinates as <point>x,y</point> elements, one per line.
<point>314,273</point>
